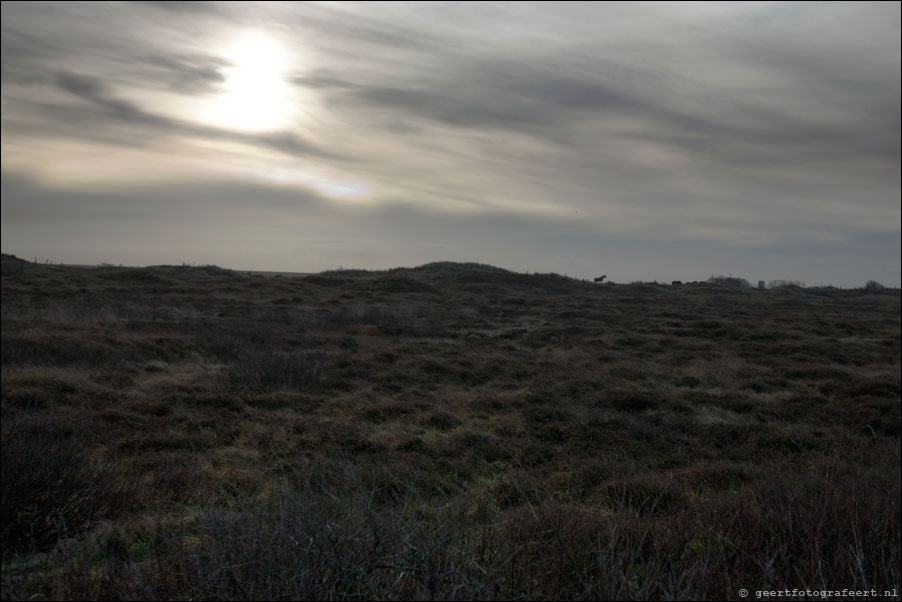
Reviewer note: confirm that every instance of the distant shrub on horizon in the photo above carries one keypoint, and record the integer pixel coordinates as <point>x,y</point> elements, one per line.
<point>873,285</point>
<point>730,281</point>
<point>785,284</point>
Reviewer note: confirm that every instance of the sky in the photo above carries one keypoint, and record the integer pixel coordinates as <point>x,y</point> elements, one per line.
<point>644,141</point>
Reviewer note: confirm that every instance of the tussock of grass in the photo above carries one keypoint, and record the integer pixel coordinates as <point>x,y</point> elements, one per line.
<point>52,487</point>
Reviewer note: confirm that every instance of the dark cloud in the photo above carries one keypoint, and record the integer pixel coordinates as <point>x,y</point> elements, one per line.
<point>188,75</point>
<point>126,42</point>
<point>325,81</point>
<point>112,108</point>
<point>181,6</point>
<point>23,54</point>
<point>503,96</point>
<point>94,90</point>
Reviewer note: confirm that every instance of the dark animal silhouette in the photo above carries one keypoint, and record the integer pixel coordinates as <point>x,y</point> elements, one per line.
<point>600,278</point>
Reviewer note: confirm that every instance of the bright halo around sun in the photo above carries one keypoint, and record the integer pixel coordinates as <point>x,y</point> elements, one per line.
<point>256,97</point>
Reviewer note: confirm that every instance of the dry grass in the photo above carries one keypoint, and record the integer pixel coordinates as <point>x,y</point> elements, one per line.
<point>446,432</point>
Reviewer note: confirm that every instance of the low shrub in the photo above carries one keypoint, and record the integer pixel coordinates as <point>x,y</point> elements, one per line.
<point>267,369</point>
<point>51,486</point>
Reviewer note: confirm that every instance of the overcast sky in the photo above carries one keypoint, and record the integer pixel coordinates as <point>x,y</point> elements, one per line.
<point>653,141</point>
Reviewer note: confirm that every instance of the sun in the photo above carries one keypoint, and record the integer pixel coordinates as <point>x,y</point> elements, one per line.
<point>255,95</point>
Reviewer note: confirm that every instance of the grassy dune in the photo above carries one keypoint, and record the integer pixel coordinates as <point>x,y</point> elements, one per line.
<point>445,432</point>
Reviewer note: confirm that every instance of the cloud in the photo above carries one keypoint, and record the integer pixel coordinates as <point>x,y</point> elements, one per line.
<point>783,87</point>
<point>95,91</point>
<point>26,200</point>
<point>666,125</point>
<point>182,6</point>
<point>189,75</point>
<point>523,98</point>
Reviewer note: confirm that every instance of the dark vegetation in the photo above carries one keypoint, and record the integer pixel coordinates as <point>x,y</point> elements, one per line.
<point>730,281</point>
<point>448,432</point>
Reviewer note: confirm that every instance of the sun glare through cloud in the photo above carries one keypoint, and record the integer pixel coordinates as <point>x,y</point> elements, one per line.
<point>255,96</point>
